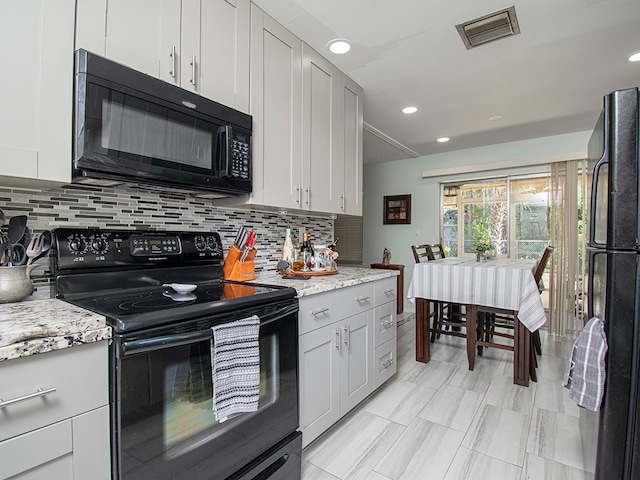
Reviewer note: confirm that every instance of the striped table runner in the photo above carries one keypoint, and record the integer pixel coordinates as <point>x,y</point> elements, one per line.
<point>500,283</point>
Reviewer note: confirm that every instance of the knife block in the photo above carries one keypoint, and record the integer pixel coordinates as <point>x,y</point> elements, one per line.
<point>234,269</point>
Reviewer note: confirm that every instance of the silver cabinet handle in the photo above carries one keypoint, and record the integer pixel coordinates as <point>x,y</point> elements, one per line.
<point>193,70</point>
<point>40,393</point>
<point>389,290</point>
<point>363,298</point>
<point>172,55</point>
<point>308,194</point>
<point>346,335</point>
<point>319,311</point>
<point>342,201</point>
<point>299,194</point>
<point>387,324</point>
<point>387,362</point>
<point>337,333</point>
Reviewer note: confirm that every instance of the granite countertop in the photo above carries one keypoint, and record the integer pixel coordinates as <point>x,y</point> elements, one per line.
<point>39,326</point>
<point>346,277</point>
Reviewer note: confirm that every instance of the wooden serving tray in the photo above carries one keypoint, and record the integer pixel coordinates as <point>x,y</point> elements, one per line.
<point>311,273</point>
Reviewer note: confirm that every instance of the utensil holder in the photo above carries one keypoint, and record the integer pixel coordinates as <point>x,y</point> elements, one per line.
<point>234,269</point>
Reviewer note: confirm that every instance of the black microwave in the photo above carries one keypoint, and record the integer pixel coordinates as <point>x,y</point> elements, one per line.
<point>132,128</point>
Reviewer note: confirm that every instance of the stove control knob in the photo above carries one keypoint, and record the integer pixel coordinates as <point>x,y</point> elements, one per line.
<point>99,245</point>
<point>200,243</point>
<point>76,245</point>
<point>211,243</point>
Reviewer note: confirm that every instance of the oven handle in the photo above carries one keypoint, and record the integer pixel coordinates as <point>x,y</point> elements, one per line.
<point>175,340</point>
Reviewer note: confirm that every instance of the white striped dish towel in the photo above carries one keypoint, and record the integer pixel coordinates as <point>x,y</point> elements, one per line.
<point>235,367</point>
<point>586,371</point>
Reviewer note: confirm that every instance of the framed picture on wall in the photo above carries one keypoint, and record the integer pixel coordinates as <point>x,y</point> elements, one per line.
<point>397,209</point>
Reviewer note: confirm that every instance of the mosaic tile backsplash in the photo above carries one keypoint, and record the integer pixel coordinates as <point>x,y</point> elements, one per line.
<point>128,208</point>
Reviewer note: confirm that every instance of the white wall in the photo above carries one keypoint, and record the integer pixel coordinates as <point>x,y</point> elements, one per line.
<point>405,177</point>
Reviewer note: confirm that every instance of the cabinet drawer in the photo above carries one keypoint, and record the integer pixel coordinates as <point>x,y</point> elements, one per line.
<point>386,290</point>
<point>36,448</point>
<point>385,362</point>
<point>77,378</point>
<point>325,308</point>
<point>384,328</point>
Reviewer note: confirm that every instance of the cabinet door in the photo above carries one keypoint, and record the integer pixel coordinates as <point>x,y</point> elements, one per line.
<point>319,381</point>
<point>92,444</point>
<point>349,181</point>
<point>37,89</point>
<point>356,356</point>
<point>144,35</point>
<point>217,34</point>
<point>320,146</point>
<point>276,105</point>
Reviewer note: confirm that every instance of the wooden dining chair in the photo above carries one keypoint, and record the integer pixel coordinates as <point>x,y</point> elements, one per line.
<point>492,322</point>
<point>422,252</point>
<point>447,318</point>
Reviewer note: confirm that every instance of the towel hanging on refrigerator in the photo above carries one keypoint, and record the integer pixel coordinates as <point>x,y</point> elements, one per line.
<point>235,367</point>
<point>586,373</point>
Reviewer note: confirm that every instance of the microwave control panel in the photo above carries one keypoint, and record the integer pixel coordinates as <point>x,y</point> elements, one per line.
<point>240,157</point>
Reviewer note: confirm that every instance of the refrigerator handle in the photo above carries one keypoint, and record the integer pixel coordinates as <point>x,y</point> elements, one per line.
<point>594,193</point>
<point>590,272</point>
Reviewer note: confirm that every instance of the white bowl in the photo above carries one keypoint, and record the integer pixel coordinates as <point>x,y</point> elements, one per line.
<point>181,288</point>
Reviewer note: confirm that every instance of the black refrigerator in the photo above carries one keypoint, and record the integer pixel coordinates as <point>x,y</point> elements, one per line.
<point>614,281</point>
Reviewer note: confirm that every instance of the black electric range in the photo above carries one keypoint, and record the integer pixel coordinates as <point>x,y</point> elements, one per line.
<point>124,275</point>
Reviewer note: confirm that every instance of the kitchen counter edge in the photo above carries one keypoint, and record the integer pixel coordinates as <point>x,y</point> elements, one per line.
<point>346,277</point>
<point>40,326</point>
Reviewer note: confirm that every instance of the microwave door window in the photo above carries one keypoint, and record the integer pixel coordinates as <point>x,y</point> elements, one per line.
<point>161,135</point>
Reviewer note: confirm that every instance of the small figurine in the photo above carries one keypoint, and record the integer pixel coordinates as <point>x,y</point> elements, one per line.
<point>386,256</point>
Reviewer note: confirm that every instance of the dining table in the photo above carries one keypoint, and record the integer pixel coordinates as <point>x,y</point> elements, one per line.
<point>503,283</point>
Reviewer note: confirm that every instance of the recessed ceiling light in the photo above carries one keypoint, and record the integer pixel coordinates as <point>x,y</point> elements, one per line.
<point>493,118</point>
<point>635,57</point>
<point>339,46</point>
<point>443,139</point>
<point>409,110</point>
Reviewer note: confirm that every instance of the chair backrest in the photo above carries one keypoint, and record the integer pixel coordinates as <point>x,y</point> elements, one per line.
<point>542,264</point>
<point>422,252</point>
<point>438,251</point>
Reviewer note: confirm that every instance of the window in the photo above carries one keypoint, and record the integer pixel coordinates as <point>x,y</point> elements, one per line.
<point>510,213</point>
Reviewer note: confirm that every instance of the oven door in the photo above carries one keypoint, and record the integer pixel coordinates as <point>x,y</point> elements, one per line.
<point>163,424</point>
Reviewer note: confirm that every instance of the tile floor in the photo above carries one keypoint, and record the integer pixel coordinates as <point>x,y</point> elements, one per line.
<point>440,421</point>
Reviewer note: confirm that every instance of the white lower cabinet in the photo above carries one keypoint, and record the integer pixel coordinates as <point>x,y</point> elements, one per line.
<point>54,415</point>
<point>339,358</point>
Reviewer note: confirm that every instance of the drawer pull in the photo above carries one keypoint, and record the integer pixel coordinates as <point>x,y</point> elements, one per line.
<point>363,298</point>
<point>387,324</point>
<point>387,362</point>
<point>389,290</point>
<point>40,393</point>
<point>319,311</point>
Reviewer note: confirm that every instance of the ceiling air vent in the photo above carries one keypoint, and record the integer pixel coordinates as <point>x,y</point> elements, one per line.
<point>488,28</point>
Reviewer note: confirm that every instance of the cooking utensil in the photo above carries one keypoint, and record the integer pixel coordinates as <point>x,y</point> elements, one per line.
<point>2,218</point>
<point>34,248</point>
<point>45,240</point>
<point>17,227</point>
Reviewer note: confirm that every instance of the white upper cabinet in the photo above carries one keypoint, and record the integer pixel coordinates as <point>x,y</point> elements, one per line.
<point>276,106</point>
<point>307,125</point>
<point>37,92</point>
<point>320,123</point>
<point>348,181</point>
<point>202,46</point>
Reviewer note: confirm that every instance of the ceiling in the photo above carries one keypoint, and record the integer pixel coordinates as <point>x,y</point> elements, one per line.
<point>547,80</point>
